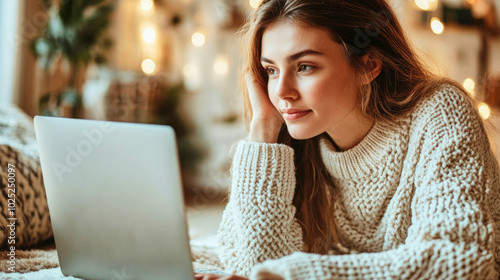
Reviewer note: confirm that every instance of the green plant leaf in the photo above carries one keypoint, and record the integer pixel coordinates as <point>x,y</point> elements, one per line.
<point>76,29</point>
<point>55,26</point>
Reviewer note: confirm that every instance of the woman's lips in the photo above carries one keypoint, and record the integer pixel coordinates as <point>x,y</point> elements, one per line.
<point>294,114</point>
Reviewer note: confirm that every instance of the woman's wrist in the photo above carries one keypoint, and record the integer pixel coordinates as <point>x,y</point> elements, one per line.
<point>263,133</point>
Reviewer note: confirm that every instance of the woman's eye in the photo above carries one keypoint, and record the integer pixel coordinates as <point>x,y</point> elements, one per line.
<point>305,68</point>
<point>271,71</point>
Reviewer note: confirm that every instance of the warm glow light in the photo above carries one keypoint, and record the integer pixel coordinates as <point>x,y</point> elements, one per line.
<point>198,39</point>
<point>148,66</point>
<point>189,70</point>
<point>427,5</point>
<point>484,111</point>
<point>146,5</point>
<point>149,35</point>
<point>255,3</point>
<point>221,65</point>
<point>437,26</point>
<point>470,1</point>
<point>469,85</point>
<point>192,76</point>
<point>422,4</point>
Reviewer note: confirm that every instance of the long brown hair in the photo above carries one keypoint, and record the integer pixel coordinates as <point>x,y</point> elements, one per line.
<point>364,28</point>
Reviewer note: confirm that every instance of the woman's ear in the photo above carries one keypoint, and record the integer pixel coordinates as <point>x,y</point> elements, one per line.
<point>373,66</point>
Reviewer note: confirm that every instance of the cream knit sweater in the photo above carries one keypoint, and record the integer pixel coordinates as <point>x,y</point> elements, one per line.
<point>418,199</point>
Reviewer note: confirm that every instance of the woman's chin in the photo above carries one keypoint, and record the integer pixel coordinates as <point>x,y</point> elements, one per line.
<point>300,134</point>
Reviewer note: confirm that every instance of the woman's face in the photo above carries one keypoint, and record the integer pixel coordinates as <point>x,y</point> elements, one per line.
<point>310,81</point>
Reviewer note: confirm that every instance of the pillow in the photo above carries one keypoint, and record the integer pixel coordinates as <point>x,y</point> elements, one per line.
<point>24,215</point>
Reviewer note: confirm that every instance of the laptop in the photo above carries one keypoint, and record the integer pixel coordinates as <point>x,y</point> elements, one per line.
<point>115,199</point>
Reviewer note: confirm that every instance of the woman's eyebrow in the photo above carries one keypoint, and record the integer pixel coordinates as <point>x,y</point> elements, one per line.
<point>293,57</point>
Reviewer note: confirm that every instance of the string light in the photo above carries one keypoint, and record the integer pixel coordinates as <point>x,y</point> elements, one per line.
<point>427,5</point>
<point>149,35</point>
<point>470,86</point>
<point>146,5</point>
<point>148,66</point>
<point>254,3</point>
<point>484,110</point>
<point>198,39</point>
<point>437,26</point>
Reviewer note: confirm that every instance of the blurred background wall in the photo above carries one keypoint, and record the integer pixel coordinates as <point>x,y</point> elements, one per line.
<point>176,62</point>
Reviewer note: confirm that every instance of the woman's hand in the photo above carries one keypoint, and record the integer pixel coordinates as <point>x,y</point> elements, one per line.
<point>266,120</point>
<point>200,276</point>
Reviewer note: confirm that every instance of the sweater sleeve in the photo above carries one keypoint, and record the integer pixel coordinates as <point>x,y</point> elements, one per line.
<point>259,220</point>
<point>451,234</point>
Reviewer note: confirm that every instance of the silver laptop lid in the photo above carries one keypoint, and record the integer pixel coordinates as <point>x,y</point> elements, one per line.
<point>115,199</point>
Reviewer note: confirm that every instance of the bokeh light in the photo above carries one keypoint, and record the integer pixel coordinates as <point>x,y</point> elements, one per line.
<point>146,5</point>
<point>254,3</point>
<point>149,35</point>
<point>198,39</point>
<point>148,66</point>
<point>437,26</point>
<point>427,5</point>
<point>469,85</point>
<point>484,110</point>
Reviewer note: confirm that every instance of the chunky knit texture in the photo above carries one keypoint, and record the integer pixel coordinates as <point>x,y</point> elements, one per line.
<point>416,199</point>
<point>18,147</point>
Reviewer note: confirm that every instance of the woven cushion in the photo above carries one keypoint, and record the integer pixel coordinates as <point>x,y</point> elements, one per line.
<point>18,147</point>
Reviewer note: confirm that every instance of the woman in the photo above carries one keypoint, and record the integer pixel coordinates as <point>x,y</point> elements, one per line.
<point>359,164</point>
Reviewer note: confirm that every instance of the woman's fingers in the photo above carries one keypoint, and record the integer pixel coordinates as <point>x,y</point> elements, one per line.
<point>257,94</point>
<point>266,120</point>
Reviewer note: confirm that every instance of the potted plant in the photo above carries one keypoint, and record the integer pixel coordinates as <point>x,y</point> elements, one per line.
<point>75,32</point>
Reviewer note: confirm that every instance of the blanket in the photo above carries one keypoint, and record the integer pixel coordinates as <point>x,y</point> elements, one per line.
<point>42,262</point>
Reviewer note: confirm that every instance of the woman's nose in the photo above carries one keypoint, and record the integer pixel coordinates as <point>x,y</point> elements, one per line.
<point>285,88</point>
